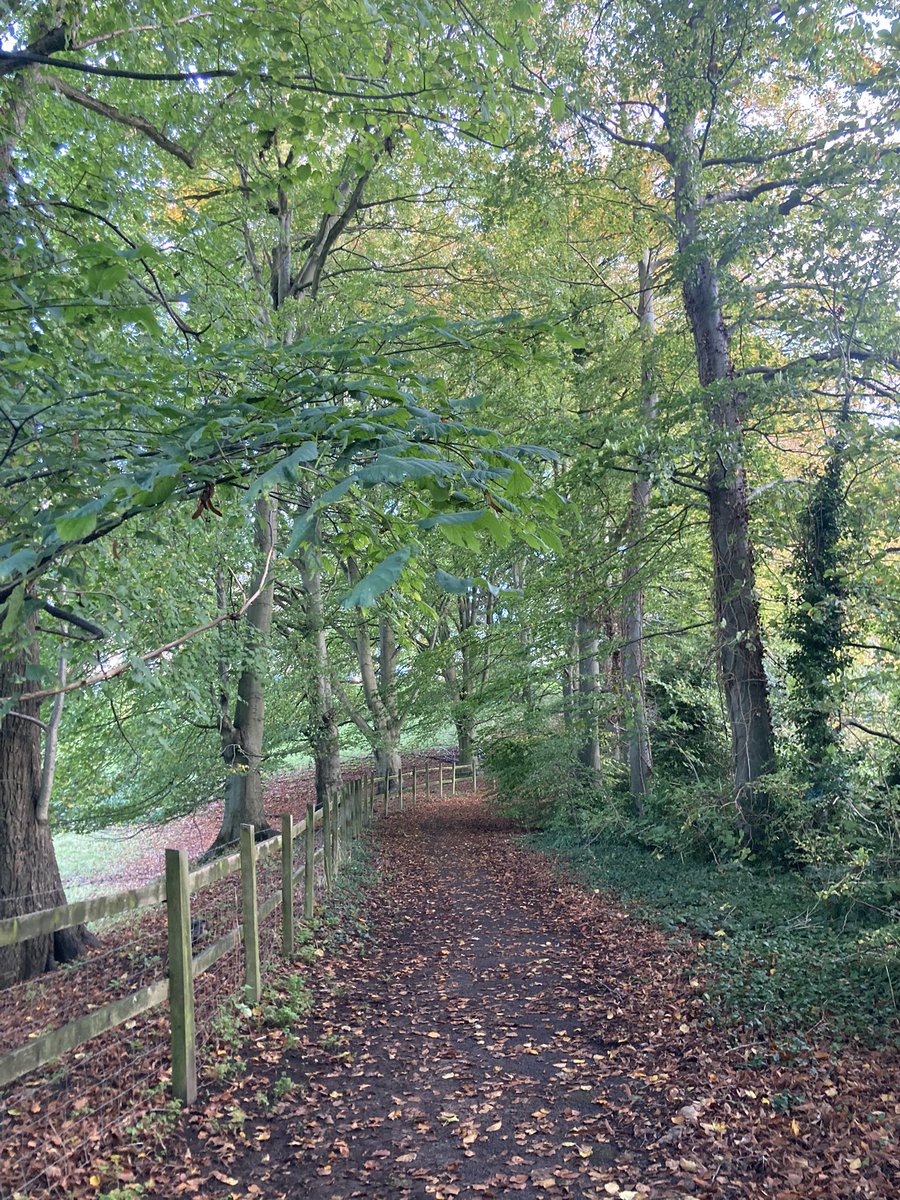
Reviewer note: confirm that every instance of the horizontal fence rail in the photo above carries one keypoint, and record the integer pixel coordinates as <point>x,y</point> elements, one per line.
<point>340,822</point>
<point>174,890</point>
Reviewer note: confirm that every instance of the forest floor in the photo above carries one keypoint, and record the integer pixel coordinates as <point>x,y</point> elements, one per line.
<point>480,1024</point>
<point>128,856</point>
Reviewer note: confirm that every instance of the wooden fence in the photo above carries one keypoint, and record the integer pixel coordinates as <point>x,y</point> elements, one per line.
<point>341,824</point>
<point>407,784</point>
<point>340,828</point>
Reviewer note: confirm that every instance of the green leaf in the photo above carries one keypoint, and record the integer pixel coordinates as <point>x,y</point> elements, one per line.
<point>465,517</point>
<point>18,563</point>
<point>284,471</point>
<point>76,526</point>
<point>454,584</point>
<point>14,610</point>
<point>558,107</point>
<point>378,580</point>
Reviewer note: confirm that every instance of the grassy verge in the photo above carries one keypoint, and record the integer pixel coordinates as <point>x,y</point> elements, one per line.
<point>85,859</point>
<point>780,961</point>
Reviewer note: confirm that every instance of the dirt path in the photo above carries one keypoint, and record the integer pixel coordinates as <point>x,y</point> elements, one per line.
<point>494,1029</point>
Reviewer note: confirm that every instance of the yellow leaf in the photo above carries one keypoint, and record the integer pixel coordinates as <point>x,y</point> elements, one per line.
<point>854,1164</point>
<point>795,1127</point>
<point>611,1189</point>
<point>94,1181</point>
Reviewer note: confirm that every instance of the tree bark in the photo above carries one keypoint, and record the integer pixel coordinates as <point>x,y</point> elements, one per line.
<point>242,735</point>
<point>462,676</point>
<point>569,684</point>
<point>379,689</point>
<point>588,690</point>
<point>640,761</point>
<point>29,874</point>
<point>739,640</point>
<point>324,724</point>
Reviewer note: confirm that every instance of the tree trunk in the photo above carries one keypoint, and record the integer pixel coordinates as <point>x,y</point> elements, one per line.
<point>242,735</point>
<point>325,734</point>
<point>739,640</point>
<point>388,760</point>
<point>463,679</point>
<point>569,685</point>
<point>29,875</point>
<point>588,690</point>
<point>380,692</point>
<point>640,762</point>
<point>465,738</point>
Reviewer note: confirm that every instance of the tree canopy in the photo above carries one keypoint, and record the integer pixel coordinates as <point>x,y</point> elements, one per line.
<point>523,375</point>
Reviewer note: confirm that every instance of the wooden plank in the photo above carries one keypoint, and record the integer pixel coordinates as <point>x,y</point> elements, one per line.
<point>287,885</point>
<point>326,838</point>
<point>50,1046</point>
<point>250,914</point>
<point>265,910</point>
<point>218,949</point>
<point>309,876</point>
<point>218,869</point>
<point>268,846</point>
<point>48,920</point>
<point>183,1038</point>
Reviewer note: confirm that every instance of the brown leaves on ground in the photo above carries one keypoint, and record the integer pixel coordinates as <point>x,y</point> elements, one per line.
<point>495,1029</point>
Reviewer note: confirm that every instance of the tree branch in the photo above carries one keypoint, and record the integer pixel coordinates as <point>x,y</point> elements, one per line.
<point>131,120</point>
<point>353,713</point>
<point>879,733</point>
<point>103,676</point>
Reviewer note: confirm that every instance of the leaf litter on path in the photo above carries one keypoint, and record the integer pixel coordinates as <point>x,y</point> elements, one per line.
<point>491,1028</point>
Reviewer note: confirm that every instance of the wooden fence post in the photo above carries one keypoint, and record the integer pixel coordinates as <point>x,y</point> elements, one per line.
<point>453,792</point>
<point>333,833</point>
<point>253,981</point>
<point>309,868</point>
<point>287,885</point>
<point>441,770</point>
<point>181,980</point>
<point>400,790</point>
<point>387,792</point>
<point>326,839</point>
<point>415,794</point>
<point>474,775</point>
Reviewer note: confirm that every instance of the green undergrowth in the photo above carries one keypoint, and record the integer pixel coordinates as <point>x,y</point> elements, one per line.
<point>782,961</point>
